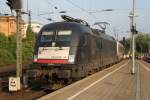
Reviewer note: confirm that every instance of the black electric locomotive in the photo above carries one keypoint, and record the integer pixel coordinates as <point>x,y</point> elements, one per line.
<point>72,50</point>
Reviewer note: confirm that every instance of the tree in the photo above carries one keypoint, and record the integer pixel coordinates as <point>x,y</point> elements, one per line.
<point>6,57</point>
<point>3,41</point>
<point>12,44</point>
<point>28,45</point>
<point>8,48</point>
<point>6,53</point>
<point>142,42</point>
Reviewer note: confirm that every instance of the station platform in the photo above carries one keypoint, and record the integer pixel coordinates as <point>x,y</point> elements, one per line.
<point>113,83</point>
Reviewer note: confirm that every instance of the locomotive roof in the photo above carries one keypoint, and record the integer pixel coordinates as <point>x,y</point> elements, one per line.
<point>77,27</point>
<point>64,25</point>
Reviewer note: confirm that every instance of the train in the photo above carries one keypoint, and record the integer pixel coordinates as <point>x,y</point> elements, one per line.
<point>71,49</point>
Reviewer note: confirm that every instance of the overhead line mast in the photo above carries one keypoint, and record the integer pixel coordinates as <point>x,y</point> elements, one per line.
<point>134,31</point>
<point>17,6</point>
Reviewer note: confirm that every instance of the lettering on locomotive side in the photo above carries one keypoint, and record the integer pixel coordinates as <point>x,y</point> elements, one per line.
<point>53,52</point>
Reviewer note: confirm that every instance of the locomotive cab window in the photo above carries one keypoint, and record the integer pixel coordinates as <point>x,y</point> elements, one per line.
<point>64,35</point>
<point>47,36</point>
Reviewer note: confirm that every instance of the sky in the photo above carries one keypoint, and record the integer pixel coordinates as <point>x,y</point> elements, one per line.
<point>118,18</point>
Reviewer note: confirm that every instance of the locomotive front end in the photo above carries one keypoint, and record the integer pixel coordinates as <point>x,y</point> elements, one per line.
<point>54,48</point>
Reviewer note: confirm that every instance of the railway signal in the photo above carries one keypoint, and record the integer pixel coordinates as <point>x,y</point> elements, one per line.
<point>133,30</point>
<point>14,4</point>
<point>10,4</point>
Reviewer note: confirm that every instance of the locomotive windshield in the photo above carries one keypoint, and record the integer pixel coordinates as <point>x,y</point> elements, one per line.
<point>60,36</point>
<point>64,35</point>
<point>47,36</point>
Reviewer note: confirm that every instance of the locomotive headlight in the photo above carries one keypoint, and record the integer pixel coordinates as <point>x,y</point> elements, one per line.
<point>35,58</point>
<point>71,58</point>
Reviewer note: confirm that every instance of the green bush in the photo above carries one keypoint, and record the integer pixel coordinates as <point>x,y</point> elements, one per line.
<point>6,57</point>
<point>8,48</point>
<point>27,51</point>
<point>12,45</point>
<point>3,41</point>
<point>28,46</point>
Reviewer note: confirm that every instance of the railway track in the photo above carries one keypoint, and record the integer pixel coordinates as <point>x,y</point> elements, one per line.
<point>29,93</point>
<point>36,91</point>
